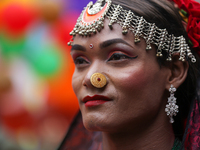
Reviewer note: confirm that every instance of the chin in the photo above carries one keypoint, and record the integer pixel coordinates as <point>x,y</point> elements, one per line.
<point>93,123</point>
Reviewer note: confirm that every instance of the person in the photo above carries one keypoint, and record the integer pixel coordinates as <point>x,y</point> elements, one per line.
<point>136,75</point>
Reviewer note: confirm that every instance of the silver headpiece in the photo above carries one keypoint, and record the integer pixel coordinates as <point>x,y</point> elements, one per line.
<point>92,18</point>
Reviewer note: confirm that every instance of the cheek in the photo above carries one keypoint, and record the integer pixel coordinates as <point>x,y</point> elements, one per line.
<point>76,83</point>
<point>135,78</point>
<point>137,86</point>
<point>138,94</point>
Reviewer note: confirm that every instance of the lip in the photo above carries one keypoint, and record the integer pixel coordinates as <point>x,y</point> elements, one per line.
<point>91,101</point>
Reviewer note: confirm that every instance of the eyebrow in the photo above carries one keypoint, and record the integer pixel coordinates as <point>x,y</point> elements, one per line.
<point>102,45</point>
<point>113,41</point>
<point>78,47</point>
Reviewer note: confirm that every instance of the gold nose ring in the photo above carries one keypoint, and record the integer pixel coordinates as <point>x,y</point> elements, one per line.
<point>98,80</point>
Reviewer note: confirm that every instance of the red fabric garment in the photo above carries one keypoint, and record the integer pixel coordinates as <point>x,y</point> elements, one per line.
<point>192,141</point>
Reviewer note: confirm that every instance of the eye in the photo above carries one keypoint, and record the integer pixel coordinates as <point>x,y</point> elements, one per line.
<point>80,60</point>
<point>119,56</point>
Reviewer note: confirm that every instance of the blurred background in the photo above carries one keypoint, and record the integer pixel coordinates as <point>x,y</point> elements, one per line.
<point>37,102</point>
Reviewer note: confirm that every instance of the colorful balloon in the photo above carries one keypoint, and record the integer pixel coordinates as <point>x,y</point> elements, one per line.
<point>48,62</point>
<point>11,45</point>
<point>16,17</point>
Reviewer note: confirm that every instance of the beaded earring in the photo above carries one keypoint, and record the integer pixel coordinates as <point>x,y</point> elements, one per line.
<point>171,108</point>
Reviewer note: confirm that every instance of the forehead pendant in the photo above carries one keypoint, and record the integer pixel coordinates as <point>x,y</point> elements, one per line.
<point>91,19</point>
<point>98,80</point>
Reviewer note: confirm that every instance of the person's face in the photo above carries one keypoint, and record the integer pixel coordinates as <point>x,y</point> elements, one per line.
<point>135,81</point>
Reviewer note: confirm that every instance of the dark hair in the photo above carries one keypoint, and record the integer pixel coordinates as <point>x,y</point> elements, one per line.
<point>166,16</point>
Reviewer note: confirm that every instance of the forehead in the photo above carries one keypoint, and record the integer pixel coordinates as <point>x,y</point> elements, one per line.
<point>105,34</point>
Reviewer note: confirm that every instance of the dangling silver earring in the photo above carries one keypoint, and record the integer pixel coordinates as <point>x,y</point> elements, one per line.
<point>171,108</point>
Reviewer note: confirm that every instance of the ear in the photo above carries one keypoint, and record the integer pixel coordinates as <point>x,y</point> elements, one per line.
<point>178,74</point>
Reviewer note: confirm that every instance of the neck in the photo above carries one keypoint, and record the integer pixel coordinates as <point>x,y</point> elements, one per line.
<point>155,136</point>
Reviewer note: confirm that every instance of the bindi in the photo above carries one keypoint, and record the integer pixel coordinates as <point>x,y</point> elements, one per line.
<point>91,46</point>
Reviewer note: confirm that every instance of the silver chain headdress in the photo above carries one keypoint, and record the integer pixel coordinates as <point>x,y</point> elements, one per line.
<point>92,18</point>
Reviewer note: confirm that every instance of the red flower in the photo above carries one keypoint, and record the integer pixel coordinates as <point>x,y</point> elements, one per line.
<point>193,28</point>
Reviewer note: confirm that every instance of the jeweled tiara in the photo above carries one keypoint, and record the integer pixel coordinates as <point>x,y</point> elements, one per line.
<point>92,18</point>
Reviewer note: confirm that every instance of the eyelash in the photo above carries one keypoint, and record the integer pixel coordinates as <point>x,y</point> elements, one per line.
<point>80,60</point>
<point>119,56</point>
<point>114,57</point>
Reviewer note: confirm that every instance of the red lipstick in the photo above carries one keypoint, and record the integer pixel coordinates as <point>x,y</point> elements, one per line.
<point>91,101</point>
